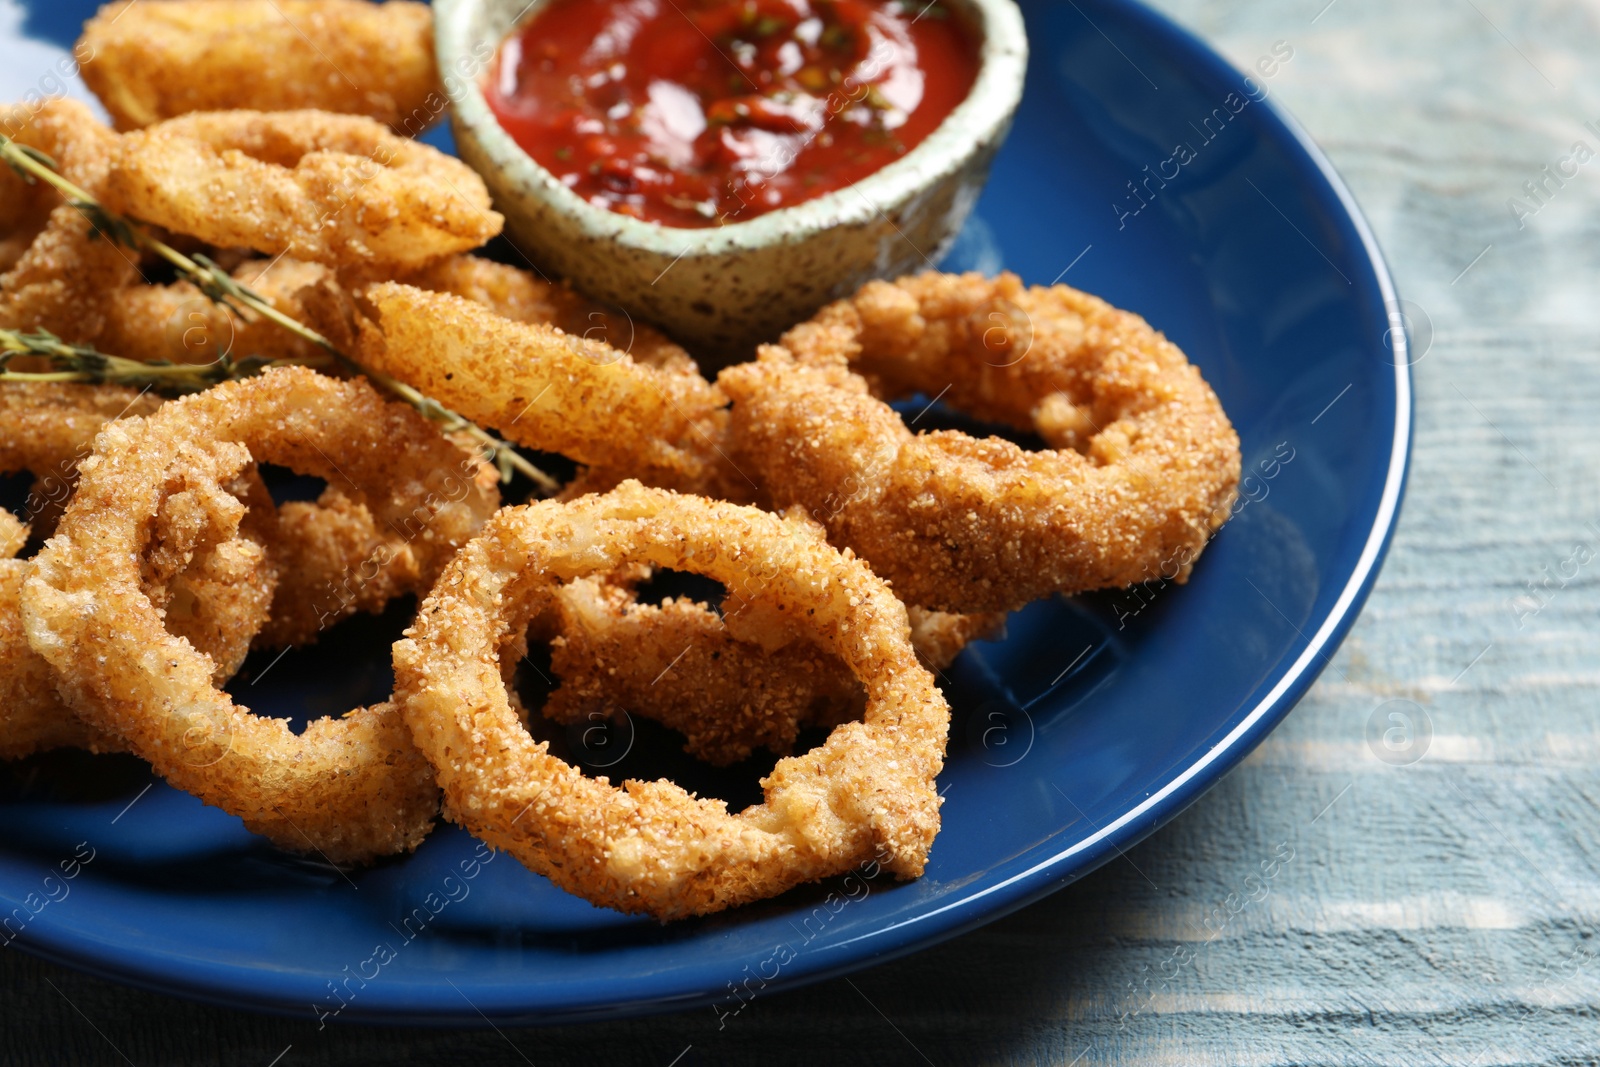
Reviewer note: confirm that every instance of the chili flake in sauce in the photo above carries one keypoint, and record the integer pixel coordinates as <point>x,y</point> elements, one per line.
<point>700,113</point>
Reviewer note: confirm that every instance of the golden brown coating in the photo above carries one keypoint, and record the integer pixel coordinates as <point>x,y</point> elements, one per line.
<point>47,427</point>
<point>334,189</point>
<point>865,795</point>
<point>65,130</point>
<point>349,788</point>
<point>1143,469</point>
<point>62,282</point>
<point>149,62</point>
<point>330,552</point>
<point>24,208</point>
<point>13,535</point>
<point>939,636</point>
<point>55,423</point>
<point>337,560</point>
<point>61,279</point>
<point>547,389</point>
<point>180,324</point>
<point>720,682</point>
<point>518,295</point>
<point>14,244</point>
<point>214,594</point>
<point>213,584</point>
<point>678,664</point>
<point>33,718</point>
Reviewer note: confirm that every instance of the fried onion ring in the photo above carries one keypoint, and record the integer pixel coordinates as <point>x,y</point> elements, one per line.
<point>338,562</point>
<point>149,62</point>
<point>334,189</point>
<point>519,296</point>
<point>551,390</point>
<point>214,593</point>
<point>721,682</point>
<point>180,324</point>
<point>1144,465</point>
<point>867,794</point>
<point>65,130</point>
<point>351,788</point>
<point>61,280</point>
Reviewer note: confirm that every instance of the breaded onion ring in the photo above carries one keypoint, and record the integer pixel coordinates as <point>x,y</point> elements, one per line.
<point>180,324</point>
<point>350,788</point>
<point>61,281</point>
<point>678,664</point>
<point>338,561</point>
<point>65,130</point>
<point>1144,467</point>
<point>149,62</point>
<point>867,794</point>
<point>729,686</point>
<point>518,295</point>
<point>215,593</point>
<point>550,390</point>
<point>334,189</point>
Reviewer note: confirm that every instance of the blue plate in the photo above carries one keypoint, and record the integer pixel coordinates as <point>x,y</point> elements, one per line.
<point>1142,168</point>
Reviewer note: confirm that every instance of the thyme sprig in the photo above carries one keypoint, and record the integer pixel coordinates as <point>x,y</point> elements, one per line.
<point>76,363</point>
<point>84,365</point>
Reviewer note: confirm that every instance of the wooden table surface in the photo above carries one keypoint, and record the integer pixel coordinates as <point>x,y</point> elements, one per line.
<point>1438,906</point>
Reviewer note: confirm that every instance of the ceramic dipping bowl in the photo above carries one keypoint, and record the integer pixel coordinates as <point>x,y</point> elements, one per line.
<point>720,291</point>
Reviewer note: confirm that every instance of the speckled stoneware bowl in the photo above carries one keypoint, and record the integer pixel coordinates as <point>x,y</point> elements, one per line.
<point>722,290</point>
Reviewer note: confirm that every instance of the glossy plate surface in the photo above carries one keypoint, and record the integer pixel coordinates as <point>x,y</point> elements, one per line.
<point>1142,168</point>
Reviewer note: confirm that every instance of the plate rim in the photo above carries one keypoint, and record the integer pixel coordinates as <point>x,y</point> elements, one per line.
<point>985,903</point>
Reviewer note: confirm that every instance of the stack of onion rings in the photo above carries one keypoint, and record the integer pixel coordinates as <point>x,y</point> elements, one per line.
<point>171,561</point>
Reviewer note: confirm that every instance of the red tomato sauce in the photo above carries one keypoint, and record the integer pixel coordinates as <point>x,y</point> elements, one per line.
<point>706,112</point>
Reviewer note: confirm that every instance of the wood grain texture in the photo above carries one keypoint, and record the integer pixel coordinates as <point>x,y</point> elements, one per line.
<point>1441,912</point>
